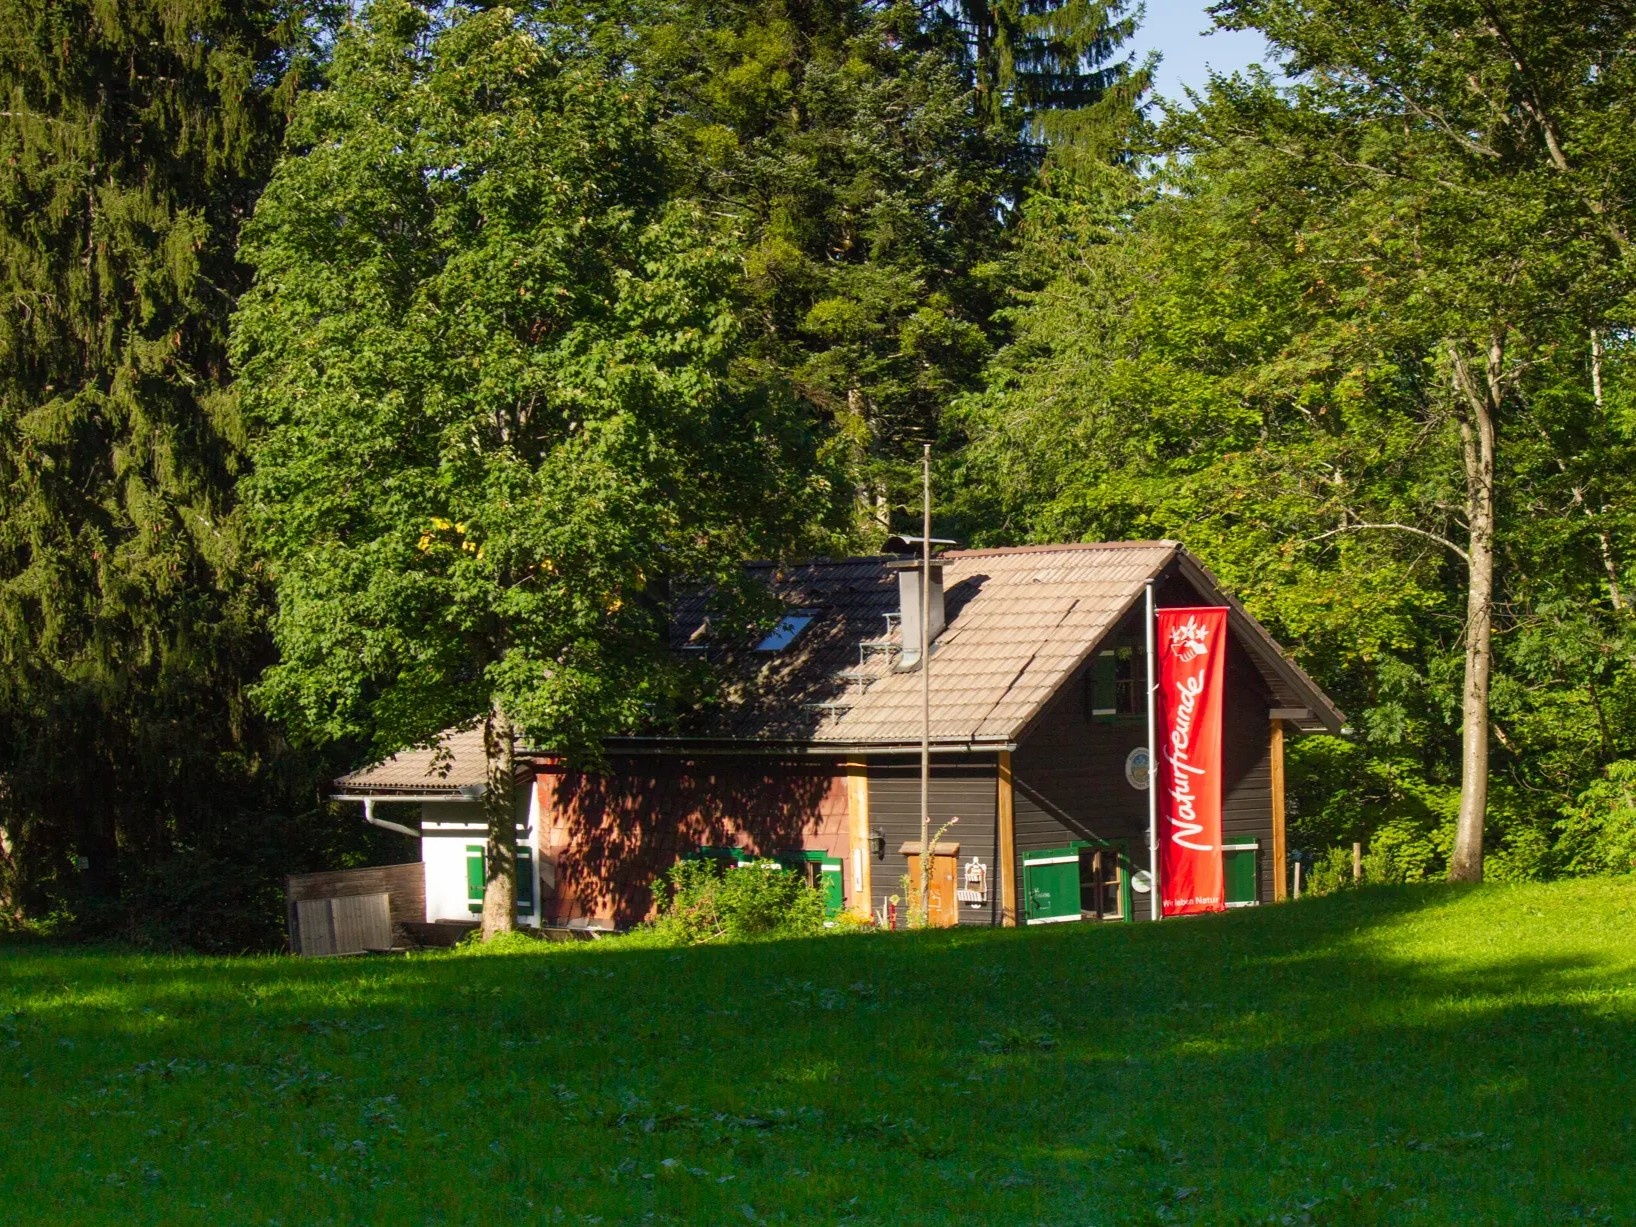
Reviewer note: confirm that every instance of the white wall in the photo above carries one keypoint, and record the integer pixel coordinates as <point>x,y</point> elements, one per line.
<point>447,829</point>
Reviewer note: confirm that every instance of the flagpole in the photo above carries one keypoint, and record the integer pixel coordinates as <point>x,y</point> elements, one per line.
<point>924,907</point>
<point>1152,759</point>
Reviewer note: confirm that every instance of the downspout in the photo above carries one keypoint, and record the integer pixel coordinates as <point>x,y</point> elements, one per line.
<point>369,817</point>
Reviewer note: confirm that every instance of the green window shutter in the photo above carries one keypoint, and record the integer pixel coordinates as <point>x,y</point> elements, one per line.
<point>1239,873</point>
<point>474,877</point>
<point>1051,885</point>
<point>1127,903</point>
<point>525,880</point>
<point>834,896</point>
<point>1101,682</point>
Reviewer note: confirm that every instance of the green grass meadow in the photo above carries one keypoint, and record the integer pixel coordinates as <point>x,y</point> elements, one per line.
<point>1393,1056</point>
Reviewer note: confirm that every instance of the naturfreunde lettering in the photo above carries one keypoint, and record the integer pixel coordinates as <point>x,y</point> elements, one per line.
<point>1185,819</point>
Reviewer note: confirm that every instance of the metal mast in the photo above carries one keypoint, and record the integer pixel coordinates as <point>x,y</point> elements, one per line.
<point>923,909</point>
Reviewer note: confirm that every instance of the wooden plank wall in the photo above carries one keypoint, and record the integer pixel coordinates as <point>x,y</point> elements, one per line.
<point>966,787</point>
<point>404,886</point>
<point>1069,773</point>
<point>1246,803</point>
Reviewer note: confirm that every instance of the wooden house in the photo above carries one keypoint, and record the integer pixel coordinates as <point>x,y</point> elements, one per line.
<point>1037,735</point>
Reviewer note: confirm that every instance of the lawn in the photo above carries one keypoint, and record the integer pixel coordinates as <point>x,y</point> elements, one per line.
<point>1421,1055</point>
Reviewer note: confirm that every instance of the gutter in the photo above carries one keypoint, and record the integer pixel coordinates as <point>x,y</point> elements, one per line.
<point>842,749</point>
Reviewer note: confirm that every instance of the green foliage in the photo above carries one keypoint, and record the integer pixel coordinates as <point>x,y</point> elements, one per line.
<point>134,139</point>
<point>1420,1056</point>
<point>1054,64</point>
<point>1249,351</point>
<point>871,193</point>
<point>709,903</point>
<point>1597,833</point>
<point>489,369</point>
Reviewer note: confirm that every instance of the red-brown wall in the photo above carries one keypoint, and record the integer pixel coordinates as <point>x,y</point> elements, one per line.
<point>611,835</point>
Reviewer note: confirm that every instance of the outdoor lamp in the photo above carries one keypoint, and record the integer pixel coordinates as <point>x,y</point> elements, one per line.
<point>877,843</point>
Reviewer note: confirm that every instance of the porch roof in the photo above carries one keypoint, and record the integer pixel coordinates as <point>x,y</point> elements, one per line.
<point>451,768</point>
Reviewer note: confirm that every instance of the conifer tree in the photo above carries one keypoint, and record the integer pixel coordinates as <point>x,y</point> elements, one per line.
<point>133,141</point>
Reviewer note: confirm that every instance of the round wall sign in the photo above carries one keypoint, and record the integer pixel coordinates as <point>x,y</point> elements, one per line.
<point>1141,881</point>
<point>1138,767</point>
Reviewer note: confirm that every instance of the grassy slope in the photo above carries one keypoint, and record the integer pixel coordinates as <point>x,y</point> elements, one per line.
<point>1414,1056</point>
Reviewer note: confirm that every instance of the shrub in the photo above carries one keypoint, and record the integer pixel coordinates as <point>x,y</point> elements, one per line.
<point>1597,833</point>
<point>701,902</point>
<point>1398,852</point>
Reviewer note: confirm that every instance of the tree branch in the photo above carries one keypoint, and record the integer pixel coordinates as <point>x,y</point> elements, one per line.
<point>1402,528</point>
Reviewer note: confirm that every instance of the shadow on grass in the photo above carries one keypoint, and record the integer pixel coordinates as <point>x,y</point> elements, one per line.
<point>1419,1055</point>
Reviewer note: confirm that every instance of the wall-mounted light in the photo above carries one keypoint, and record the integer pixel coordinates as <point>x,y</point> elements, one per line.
<point>877,843</point>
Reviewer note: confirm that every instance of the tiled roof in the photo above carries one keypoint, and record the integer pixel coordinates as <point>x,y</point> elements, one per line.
<point>1018,623</point>
<point>454,764</point>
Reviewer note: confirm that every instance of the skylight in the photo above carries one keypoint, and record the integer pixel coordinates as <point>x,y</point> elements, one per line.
<point>782,635</point>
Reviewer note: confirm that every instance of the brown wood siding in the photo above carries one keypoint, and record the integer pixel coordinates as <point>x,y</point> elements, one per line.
<point>1246,801</point>
<point>404,886</point>
<point>1070,772</point>
<point>966,789</point>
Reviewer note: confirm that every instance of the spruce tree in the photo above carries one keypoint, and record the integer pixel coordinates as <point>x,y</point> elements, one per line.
<point>134,139</point>
<point>874,154</point>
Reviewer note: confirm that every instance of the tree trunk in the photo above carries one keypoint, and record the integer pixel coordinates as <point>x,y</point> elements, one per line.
<point>1477,437</point>
<point>11,906</point>
<point>500,809</point>
<point>1604,539</point>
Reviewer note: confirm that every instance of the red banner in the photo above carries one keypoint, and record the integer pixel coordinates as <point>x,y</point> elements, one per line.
<point>1192,649</point>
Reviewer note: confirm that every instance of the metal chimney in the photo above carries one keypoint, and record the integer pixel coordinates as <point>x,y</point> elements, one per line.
<point>909,608</point>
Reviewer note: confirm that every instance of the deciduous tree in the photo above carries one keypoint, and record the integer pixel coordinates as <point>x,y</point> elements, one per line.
<point>488,364</point>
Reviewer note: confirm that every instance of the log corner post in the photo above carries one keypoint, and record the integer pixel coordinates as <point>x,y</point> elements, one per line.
<point>1280,853</point>
<point>1006,854</point>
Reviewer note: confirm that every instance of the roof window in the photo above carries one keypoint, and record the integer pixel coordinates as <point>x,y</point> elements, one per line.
<point>784,634</point>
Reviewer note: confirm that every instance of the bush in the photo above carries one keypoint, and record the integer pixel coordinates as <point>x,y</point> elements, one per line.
<point>1597,834</point>
<point>1397,852</point>
<point>702,902</point>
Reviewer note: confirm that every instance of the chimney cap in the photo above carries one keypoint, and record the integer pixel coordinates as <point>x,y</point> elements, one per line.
<point>898,543</point>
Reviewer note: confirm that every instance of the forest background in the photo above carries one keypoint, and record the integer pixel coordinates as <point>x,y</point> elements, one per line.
<point>367,369</point>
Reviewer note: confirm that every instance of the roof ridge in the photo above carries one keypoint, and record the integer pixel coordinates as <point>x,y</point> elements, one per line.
<point>1063,547</point>
<point>1041,548</point>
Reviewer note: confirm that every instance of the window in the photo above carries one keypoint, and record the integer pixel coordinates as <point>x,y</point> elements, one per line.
<point>784,634</point>
<point>1101,883</point>
<point>1115,684</point>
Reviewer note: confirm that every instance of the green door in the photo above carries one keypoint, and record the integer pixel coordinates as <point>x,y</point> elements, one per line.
<point>1240,874</point>
<point>1051,885</point>
<point>834,889</point>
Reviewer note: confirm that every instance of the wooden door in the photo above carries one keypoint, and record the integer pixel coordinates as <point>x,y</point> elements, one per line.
<point>943,909</point>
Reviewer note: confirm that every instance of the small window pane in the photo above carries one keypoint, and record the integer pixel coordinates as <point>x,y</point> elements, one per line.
<point>782,635</point>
